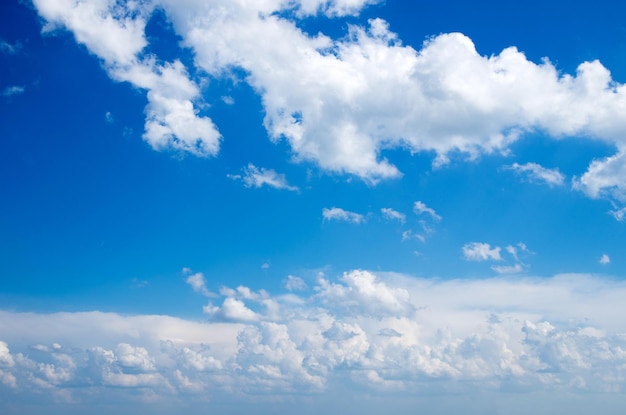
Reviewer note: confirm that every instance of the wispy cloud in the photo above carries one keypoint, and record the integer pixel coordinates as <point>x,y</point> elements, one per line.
<point>391,214</point>
<point>339,214</point>
<point>421,208</point>
<point>13,90</point>
<point>536,173</point>
<point>258,177</point>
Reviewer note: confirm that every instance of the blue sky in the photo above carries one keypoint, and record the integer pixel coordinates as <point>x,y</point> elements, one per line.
<point>351,205</point>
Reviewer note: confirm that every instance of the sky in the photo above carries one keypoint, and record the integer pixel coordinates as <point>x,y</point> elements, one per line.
<point>349,206</point>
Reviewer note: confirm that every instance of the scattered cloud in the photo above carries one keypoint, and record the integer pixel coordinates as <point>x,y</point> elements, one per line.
<point>10,48</point>
<point>198,283</point>
<point>339,214</point>
<point>605,259</point>
<point>536,173</point>
<point>391,214</point>
<point>294,283</point>
<point>420,208</point>
<point>265,265</point>
<point>604,178</point>
<point>259,177</point>
<point>507,269</point>
<point>108,117</point>
<point>478,251</point>
<point>13,91</point>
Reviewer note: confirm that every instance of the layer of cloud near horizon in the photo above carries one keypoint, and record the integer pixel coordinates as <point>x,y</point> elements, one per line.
<point>380,333</point>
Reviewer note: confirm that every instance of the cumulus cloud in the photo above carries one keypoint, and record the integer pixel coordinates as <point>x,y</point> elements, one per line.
<point>259,177</point>
<point>479,251</point>
<point>340,102</point>
<point>391,214</point>
<point>339,214</point>
<point>535,172</point>
<point>605,259</point>
<point>115,32</point>
<point>198,283</point>
<point>373,332</point>
<point>604,178</point>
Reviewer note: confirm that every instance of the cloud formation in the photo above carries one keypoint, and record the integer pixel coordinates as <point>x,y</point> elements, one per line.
<point>379,332</point>
<point>537,173</point>
<point>339,214</point>
<point>259,177</point>
<point>339,102</point>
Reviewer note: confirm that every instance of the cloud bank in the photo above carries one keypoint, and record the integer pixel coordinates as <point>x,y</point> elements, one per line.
<point>378,333</point>
<point>340,102</point>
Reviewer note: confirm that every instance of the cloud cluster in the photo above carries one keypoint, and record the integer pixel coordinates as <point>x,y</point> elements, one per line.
<point>340,102</point>
<point>481,251</point>
<point>379,332</point>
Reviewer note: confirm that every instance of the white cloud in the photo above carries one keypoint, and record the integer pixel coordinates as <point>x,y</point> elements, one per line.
<point>604,178</point>
<point>198,283</point>
<point>114,31</point>
<point>478,251</point>
<point>259,177</point>
<point>339,102</point>
<point>392,214</point>
<point>535,172</point>
<point>421,208</point>
<point>294,283</point>
<point>377,333</point>
<point>339,214</point>
<point>605,259</point>
<point>507,269</point>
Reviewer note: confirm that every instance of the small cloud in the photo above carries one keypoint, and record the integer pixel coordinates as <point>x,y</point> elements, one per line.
<point>619,214</point>
<point>13,90</point>
<point>392,214</point>
<point>137,283</point>
<point>507,269</point>
<point>198,284</point>
<point>605,259</point>
<point>295,283</point>
<point>265,265</point>
<point>536,173</point>
<point>421,208</point>
<point>478,251</point>
<point>339,214</point>
<point>409,234</point>
<point>228,100</point>
<point>259,177</point>
<point>10,49</point>
<point>108,117</point>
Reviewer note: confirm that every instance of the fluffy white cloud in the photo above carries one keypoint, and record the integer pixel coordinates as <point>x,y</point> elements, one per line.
<point>339,102</point>
<point>605,178</point>
<point>339,214</point>
<point>371,332</point>
<point>535,172</point>
<point>605,259</point>
<point>115,32</point>
<point>391,214</point>
<point>198,283</point>
<point>479,251</point>
<point>259,177</point>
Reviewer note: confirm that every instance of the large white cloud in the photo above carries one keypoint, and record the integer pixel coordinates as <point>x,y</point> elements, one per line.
<point>372,332</point>
<point>340,102</point>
